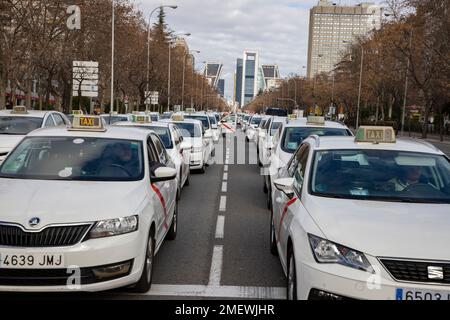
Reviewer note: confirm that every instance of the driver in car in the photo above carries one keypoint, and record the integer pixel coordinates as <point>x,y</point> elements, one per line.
<point>410,176</point>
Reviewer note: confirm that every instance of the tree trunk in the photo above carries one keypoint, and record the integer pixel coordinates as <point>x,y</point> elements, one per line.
<point>28,94</point>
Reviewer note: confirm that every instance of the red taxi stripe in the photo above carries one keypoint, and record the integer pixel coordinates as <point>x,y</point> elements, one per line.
<point>163,203</point>
<point>229,128</point>
<point>291,202</point>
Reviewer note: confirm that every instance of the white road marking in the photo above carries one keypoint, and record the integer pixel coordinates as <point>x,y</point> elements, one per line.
<point>223,203</point>
<point>225,176</point>
<point>224,186</point>
<point>225,168</point>
<point>220,227</point>
<point>216,266</point>
<point>236,292</point>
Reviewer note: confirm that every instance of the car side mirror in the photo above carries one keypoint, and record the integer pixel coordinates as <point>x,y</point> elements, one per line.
<point>285,185</point>
<point>162,174</point>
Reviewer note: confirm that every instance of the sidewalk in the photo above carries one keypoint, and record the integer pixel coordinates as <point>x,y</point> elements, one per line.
<point>430,137</point>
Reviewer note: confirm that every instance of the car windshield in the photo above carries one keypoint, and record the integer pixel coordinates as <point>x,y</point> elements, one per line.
<point>114,119</point>
<point>212,119</point>
<point>294,136</point>
<point>190,130</point>
<point>217,116</point>
<point>73,158</point>
<point>19,125</point>
<point>203,119</point>
<point>381,175</point>
<point>275,127</point>
<point>256,121</point>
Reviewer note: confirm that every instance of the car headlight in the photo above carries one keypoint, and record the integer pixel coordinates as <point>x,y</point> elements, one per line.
<point>326,251</point>
<point>197,149</point>
<point>114,227</point>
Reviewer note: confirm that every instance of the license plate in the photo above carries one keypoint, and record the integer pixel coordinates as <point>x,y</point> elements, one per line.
<point>414,294</point>
<point>31,261</point>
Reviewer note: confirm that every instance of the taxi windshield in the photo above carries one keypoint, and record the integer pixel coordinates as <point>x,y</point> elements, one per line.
<point>19,125</point>
<point>256,121</point>
<point>164,135</point>
<point>275,127</point>
<point>381,176</point>
<point>114,119</point>
<point>78,159</point>
<point>294,136</point>
<point>203,119</point>
<point>189,130</point>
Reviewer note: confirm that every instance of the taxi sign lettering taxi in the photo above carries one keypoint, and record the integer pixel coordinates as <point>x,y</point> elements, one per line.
<point>87,123</point>
<point>19,110</point>
<point>316,120</point>
<point>141,118</point>
<point>376,135</point>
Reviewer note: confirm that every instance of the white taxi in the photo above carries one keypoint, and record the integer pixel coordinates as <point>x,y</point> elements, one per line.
<point>216,129</point>
<point>294,131</point>
<point>193,132</point>
<point>178,150</point>
<point>208,134</point>
<point>364,218</point>
<point>18,122</point>
<point>119,204</point>
<point>252,128</point>
<point>268,138</point>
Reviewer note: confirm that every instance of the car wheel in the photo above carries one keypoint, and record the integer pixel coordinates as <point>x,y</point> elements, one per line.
<point>203,169</point>
<point>292,276</point>
<point>273,239</point>
<point>246,140</point>
<point>187,182</point>
<point>223,135</point>
<point>145,282</point>
<point>265,187</point>
<point>172,233</point>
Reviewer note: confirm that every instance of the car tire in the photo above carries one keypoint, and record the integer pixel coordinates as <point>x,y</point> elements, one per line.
<point>172,233</point>
<point>246,140</point>
<point>145,282</point>
<point>187,182</point>
<point>273,239</point>
<point>223,135</point>
<point>265,190</point>
<point>291,293</point>
<point>203,169</point>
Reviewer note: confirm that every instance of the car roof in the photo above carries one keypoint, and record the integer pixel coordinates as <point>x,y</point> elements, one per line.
<point>136,124</point>
<point>112,132</point>
<point>303,122</point>
<point>30,113</point>
<point>349,143</point>
<point>192,121</point>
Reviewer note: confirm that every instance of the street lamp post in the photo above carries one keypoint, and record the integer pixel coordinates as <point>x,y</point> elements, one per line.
<point>169,71</point>
<point>184,75</point>
<point>406,85</point>
<point>148,50</point>
<point>111,109</point>
<point>360,83</point>
<point>203,83</point>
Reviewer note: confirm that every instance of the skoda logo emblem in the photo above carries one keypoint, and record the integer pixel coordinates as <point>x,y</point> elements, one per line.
<point>34,222</point>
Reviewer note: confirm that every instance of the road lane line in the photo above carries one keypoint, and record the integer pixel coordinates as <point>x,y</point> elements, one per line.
<point>225,168</point>
<point>223,203</point>
<point>237,292</point>
<point>224,186</point>
<point>216,266</point>
<point>220,227</point>
<point>225,176</point>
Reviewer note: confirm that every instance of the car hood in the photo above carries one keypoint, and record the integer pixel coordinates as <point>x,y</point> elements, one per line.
<point>67,201</point>
<point>8,142</point>
<point>385,229</point>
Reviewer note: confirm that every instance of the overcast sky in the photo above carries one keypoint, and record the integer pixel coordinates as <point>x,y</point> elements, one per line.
<point>223,29</point>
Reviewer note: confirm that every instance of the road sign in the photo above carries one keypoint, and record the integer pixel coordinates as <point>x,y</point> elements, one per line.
<point>152,97</point>
<point>85,77</point>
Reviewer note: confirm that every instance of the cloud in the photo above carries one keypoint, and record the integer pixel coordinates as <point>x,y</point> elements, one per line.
<point>223,29</point>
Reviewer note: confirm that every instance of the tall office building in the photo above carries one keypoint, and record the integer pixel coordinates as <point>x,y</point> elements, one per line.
<point>331,25</point>
<point>238,81</point>
<point>271,76</point>
<point>250,74</point>
<point>213,71</point>
<point>221,87</point>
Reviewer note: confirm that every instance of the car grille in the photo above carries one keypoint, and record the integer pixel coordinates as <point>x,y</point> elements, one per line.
<point>59,236</point>
<point>415,271</point>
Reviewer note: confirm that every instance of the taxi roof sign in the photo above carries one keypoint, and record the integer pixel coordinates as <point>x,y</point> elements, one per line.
<point>178,117</point>
<point>19,110</point>
<point>140,118</point>
<point>292,117</point>
<point>77,112</point>
<point>87,123</point>
<point>190,110</point>
<point>315,120</point>
<point>375,134</point>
